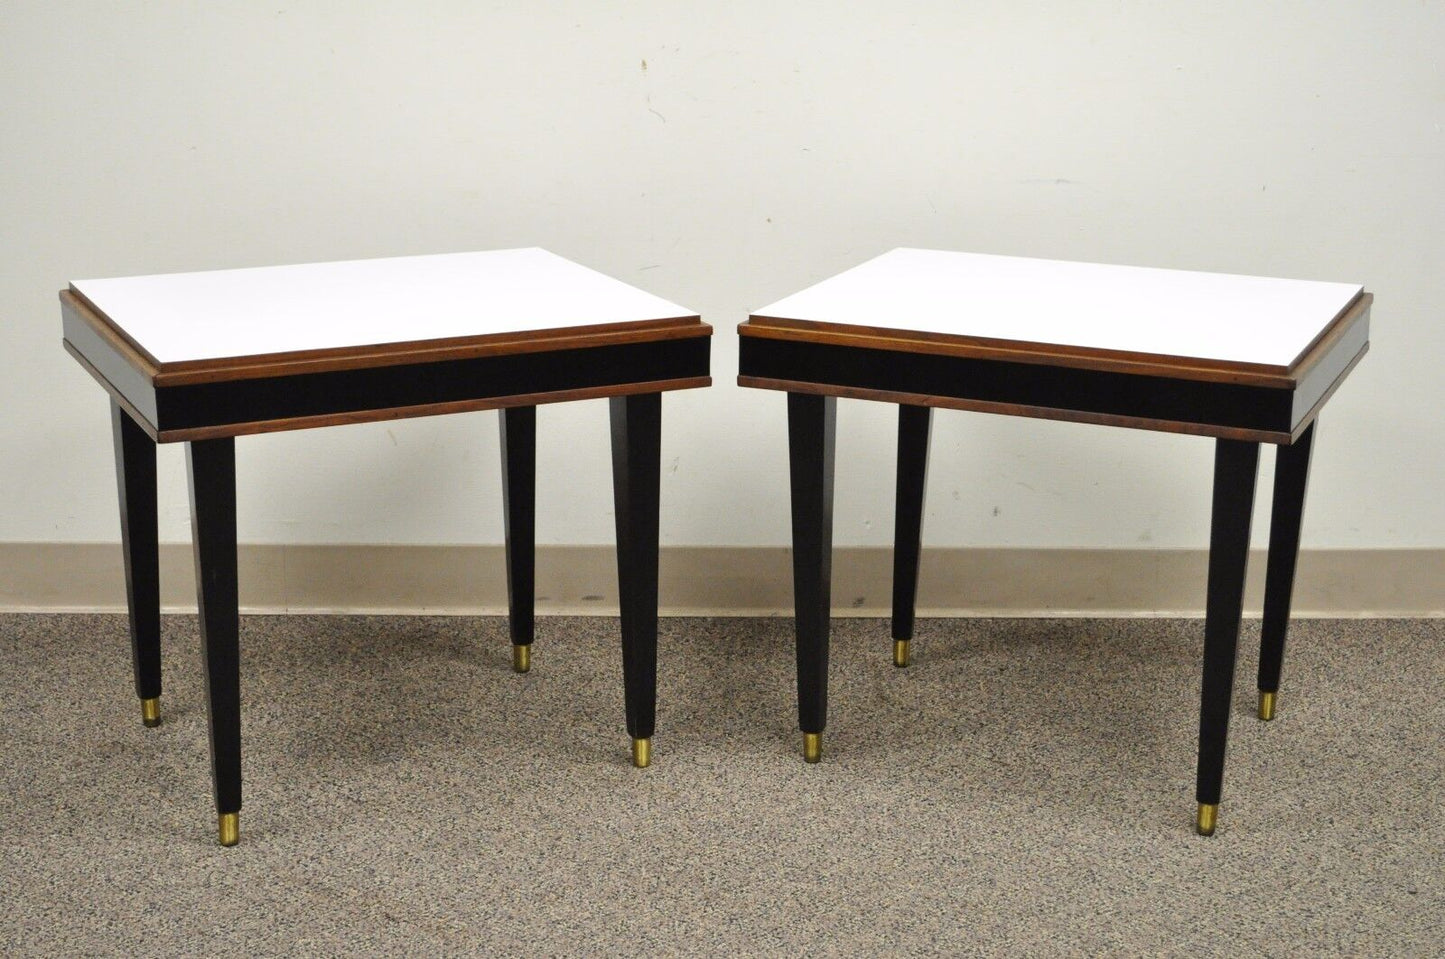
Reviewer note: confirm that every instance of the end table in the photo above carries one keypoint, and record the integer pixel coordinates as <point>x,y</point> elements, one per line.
<point>202,358</point>
<point>1245,360</point>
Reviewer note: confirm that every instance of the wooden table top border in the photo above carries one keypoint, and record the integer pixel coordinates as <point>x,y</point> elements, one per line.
<point>1050,354</point>
<point>259,366</point>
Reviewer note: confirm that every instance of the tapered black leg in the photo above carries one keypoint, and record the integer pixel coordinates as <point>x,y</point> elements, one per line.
<point>812,426</point>
<point>519,497</point>
<point>913,428</point>
<point>1235,465</point>
<point>135,473</point>
<point>1291,475</point>
<point>213,518</point>
<point>636,475</point>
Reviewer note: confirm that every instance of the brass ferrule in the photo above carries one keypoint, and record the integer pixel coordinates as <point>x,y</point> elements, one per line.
<point>1208,817</point>
<point>229,828</point>
<point>642,753</point>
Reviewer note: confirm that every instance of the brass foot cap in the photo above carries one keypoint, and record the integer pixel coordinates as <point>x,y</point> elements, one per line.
<point>1266,705</point>
<point>900,652</point>
<point>521,658</point>
<point>642,753</point>
<point>150,711</point>
<point>1208,816</point>
<point>230,828</point>
<point>812,747</point>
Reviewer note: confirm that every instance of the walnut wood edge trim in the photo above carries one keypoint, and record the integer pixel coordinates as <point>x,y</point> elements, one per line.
<point>126,348</point>
<point>1142,364</point>
<point>427,409</point>
<point>1314,411</point>
<point>115,394</point>
<point>424,351</point>
<point>1357,310</point>
<point>221,369</point>
<point>1122,361</point>
<point>1016,409</point>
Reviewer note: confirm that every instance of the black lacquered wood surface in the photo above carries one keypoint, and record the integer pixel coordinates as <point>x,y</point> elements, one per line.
<point>135,471</point>
<point>519,501</point>
<point>636,479</point>
<point>812,432</point>
<point>213,517</point>
<point>914,426</point>
<point>1291,476</point>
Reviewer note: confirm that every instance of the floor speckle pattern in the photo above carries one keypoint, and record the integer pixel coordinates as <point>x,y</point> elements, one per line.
<point>1026,787</point>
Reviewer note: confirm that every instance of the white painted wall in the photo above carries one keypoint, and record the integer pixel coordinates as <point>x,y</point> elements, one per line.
<point>723,156</point>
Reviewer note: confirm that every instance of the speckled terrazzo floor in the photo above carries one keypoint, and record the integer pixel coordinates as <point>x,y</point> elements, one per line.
<point>1025,788</point>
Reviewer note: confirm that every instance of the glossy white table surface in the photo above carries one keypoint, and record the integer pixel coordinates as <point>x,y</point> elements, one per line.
<point>180,317</point>
<point>1211,316</point>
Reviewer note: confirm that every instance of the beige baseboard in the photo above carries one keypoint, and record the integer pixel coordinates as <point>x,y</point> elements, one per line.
<point>724,580</point>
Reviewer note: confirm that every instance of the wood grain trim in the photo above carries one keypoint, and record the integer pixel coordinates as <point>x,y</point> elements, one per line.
<point>428,409</point>
<point>1035,353</point>
<point>1340,326</point>
<point>124,346</point>
<point>1049,354</point>
<point>427,351</point>
<point>1014,409</point>
<point>1314,411</point>
<point>224,369</point>
<point>116,394</point>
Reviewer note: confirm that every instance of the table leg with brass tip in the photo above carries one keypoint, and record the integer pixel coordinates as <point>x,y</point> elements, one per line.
<point>1235,464</point>
<point>230,828</point>
<point>1291,474</point>
<point>914,423</point>
<point>150,711</point>
<point>642,753</point>
<point>812,747</point>
<point>1208,817</point>
<point>636,486</point>
<point>521,658</point>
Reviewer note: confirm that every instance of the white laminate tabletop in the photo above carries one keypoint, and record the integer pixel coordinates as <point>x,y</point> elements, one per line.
<point>1211,316</point>
<point>179,317</point>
